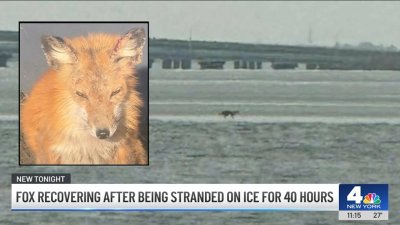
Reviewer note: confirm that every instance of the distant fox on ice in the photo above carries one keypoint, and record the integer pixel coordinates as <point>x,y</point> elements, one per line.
<point>85,109</point>
<point>228,113</point>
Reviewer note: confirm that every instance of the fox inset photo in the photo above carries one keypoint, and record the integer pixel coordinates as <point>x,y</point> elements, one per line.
<point>84,93</point>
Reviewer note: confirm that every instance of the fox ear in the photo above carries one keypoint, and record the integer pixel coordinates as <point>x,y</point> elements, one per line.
<point>130,46</point>
<point>57,52</point>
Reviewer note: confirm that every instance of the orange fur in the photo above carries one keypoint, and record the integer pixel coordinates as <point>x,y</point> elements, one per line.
<point>89,86</point>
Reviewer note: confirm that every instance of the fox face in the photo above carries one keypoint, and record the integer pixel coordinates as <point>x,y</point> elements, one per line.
<point>98,71</point>
<point>100,102</point>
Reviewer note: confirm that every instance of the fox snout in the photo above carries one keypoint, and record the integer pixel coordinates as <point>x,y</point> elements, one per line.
<point>102,133</point>
<point>102,127</point>
<point>101,119</point>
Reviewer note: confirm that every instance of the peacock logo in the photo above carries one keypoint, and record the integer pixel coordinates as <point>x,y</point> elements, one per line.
<point>372,198</point>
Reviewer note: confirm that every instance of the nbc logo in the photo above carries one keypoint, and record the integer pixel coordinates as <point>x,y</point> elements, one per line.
<point>372,198</point>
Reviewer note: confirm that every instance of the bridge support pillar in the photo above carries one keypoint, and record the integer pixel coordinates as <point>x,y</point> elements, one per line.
<point>252,65</point>
<point>209,64</point>
<point>311,66</point>
<point>151,61</point>
<point>167,64</point>
<point>236,64</point>
<point>176,64</point>
<point>283,65</point>
<point>243,65</point>
<point>186,64</point>
<point>3,59</point>
<point>259,65</point>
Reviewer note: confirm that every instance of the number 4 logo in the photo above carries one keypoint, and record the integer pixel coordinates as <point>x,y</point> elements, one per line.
<point>355,195</point>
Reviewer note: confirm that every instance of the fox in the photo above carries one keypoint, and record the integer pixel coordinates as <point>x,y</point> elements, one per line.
<point>85,109</point>
<point>228,113</point>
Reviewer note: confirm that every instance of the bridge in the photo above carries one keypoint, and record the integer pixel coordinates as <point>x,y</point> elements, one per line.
<point>8,45</point>
<point>181,54</point>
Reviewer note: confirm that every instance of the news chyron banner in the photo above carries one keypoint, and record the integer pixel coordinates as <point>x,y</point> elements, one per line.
<point>55,192</point>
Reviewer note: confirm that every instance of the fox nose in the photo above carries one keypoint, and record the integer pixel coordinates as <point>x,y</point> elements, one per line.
<point>102,133</point>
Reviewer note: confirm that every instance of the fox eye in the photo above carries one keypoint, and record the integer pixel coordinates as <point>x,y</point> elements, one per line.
<point>80,94</point>
<point>115,92</point>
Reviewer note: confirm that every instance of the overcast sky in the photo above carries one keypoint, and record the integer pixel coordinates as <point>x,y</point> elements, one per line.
<point>254,22</point>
